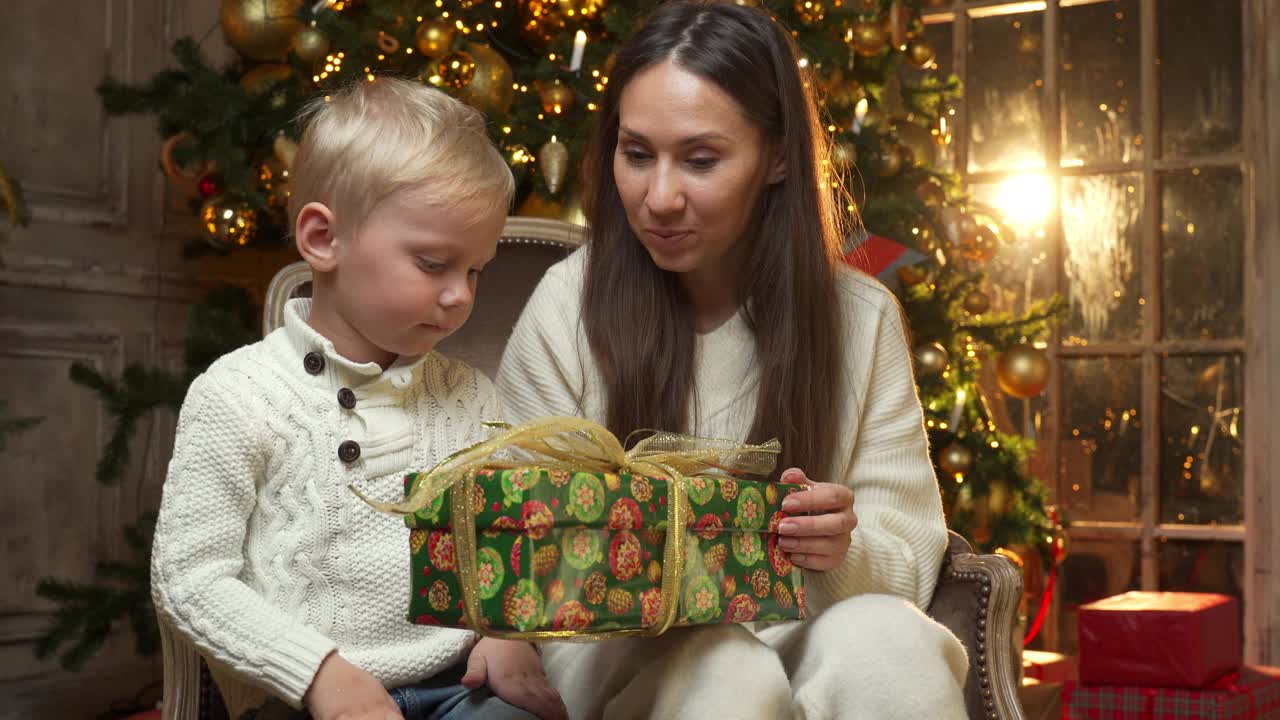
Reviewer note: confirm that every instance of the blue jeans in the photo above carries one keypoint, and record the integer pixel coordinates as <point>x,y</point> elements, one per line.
<point>441,697</point>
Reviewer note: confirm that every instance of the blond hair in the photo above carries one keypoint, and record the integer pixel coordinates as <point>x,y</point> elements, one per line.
<point>373,138</point>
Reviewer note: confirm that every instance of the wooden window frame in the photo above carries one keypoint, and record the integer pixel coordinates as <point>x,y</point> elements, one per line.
<point>1258,160</point>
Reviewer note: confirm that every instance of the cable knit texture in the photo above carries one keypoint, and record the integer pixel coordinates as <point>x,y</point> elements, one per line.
<point>897,548</point>
<point>263,556</point>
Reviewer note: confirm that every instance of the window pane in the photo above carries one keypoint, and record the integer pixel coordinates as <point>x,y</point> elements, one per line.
<point>1101,88</point>
<point>1203,229</point>
<point>1019,274</point>
<point>1201,76</point>
<point>1094,569</point>
<point>1003,92</point>
<point>1102,262</point>
<point>1100,449</point>
<point>1202,461</point>
<point>1199,566</point>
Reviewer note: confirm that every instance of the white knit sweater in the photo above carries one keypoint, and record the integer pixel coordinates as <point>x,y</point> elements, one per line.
<point>897,548</point>
<point>263,556</point>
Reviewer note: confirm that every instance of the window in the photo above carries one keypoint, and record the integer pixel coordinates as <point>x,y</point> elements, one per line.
<point>1112,135</point>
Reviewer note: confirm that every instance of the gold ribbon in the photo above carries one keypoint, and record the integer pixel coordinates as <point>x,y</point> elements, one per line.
<point>573,444</point>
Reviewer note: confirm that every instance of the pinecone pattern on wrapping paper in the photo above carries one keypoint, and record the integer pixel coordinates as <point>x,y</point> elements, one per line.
<point>715,557</point>
<point>760,584</point>
<point>545,560</point>
<point>782,595</point>
<point>594,588</point>
<point>620,602</point>
<point>417,538</point>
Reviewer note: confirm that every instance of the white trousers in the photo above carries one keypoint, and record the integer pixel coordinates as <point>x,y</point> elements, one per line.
<point>870,657</point>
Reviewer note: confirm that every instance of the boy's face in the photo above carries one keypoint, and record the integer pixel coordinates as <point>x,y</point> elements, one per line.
<point>408,279</point>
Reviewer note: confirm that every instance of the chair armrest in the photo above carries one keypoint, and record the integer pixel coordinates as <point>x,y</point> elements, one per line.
<point>977,599</point>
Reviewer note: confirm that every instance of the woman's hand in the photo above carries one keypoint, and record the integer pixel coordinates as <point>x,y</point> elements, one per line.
<point>820,540</point>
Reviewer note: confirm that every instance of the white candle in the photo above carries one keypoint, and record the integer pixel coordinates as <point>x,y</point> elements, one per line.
<point>579,44</point>
<point>958,410</point>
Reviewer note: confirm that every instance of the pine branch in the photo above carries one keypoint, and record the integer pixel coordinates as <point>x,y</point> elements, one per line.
<point>88,612</point>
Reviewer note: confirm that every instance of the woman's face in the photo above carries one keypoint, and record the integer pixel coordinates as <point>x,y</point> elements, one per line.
<point>690,168</point>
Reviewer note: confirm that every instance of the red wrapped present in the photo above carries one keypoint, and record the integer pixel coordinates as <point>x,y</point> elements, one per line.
<point>1048,667</point>
<point>1159,639</point>
<point>1253,693</point>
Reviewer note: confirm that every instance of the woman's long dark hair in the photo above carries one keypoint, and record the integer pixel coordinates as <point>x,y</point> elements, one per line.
<point>637,318</point>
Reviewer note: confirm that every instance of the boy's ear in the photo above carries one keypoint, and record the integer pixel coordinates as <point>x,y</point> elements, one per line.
<point>315,238</point>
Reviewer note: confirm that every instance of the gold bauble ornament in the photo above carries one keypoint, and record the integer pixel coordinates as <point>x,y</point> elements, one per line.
<point>454,71</point>
<point>434,37</point>
<point>540,21</point>
<point>931,359</point>
<point>979,247</point>
<point>261,29</point>
<point>553,161</point>
<point>310,45</point>
<point>842,92</point>
<point>931,193</point>
<point>227,224</point>
<point>285,150</point>
<point>490,90</point>
<point>891,159</point>
<point>920,53</point>
<point>977,302</point>
<point>955,459</point>
<point>556,97</point>
<point>579,8</point>
<point>263,77</point>
<point>810,11</point>
<point>1023,371</point>
<point>868,38</point>
<point>273,178</point>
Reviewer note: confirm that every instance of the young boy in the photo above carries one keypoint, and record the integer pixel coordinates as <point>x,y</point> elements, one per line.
<point>289,585</point>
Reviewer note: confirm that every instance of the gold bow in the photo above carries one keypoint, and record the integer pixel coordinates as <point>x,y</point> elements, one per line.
<point>574,444</point>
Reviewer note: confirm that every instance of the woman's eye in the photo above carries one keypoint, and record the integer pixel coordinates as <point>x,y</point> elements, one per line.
<point>635,157</point>
<point>703,163</point>
<point>430,265</point>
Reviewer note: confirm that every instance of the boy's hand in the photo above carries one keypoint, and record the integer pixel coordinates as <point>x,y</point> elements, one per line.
<point>342,691</point>
<point>514,672</point>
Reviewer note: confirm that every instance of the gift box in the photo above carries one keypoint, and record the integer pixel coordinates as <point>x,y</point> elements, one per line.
<point>573,553</point>
<point>1048,667</point>
<point>1252,693</point>
<point>1159,639</point>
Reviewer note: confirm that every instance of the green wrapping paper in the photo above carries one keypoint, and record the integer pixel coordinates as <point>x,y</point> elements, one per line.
<point>577,554</point>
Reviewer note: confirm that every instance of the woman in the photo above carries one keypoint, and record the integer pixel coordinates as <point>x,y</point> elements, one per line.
<point>712,299</point>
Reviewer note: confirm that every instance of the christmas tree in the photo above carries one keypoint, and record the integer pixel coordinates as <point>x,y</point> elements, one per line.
<point>535,68</point>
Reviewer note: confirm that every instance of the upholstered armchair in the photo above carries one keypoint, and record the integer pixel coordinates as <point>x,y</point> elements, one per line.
<point>977,596</point>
